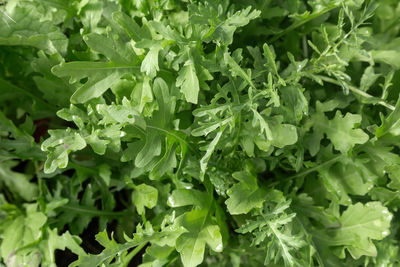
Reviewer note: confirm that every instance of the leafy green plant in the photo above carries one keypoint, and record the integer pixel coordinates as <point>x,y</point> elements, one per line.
<point>187,133</point>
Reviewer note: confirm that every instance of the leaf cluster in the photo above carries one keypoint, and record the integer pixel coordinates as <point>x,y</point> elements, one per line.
<point>260,133</point>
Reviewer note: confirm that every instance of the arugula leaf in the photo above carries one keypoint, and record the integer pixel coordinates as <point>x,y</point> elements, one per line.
<point>27,239</point>
<point>339,130</point>
<point>245,195</point>
<point>191,245</point>
<point>18,183</point>
<point>30,31</point>
<point>188,82</point>
<point>281,242</point>
<point>186,132</point>
<point>144,196</point>
<point>59,145</point>
<point>360,224</point>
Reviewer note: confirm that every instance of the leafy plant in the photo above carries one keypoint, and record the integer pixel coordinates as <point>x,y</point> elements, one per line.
<point>187,133</point>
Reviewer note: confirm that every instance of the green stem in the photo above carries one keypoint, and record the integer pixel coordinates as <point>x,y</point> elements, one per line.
<point>92,211</point>
<point>132,254</point>
<point>166,132</point>
<point>307,171</point>
<point>173,261</point>
<point>357,91</point>
<point>302,22</point>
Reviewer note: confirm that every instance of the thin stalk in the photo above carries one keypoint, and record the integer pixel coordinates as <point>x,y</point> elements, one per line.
<point>307,171</point>
<point>173,135</point>
<point>88,210</point>
<point>357,91</point>
<point>302,22</point>
<point>132,254</point>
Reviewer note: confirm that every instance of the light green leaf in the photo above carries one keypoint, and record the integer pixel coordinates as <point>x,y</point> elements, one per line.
<point>134,31</point>
<point>151,149</point>
<point>343,136</point>
<point>340,130</point>
<point>263,124</point>
<point>345,178</point>
<point>188,82</point>
<point>282,134</point>
<point>391,123</point>
<point>150,62</point>
<point>60,143</point>
<point>191,245</point>
<point>22,231</point>
<point>368,78</point>
<point>360,224</point>
<point>223,31</point>
<point>245,195</point>
<point>28,29</point>
<point>210,150</point>
<point>186,197</point>
<point>144,196</point>
<point>101,76</point>
<point>91,14</point>
<point>390,57</point>
<point>16,182</point>
<point>61,242</point>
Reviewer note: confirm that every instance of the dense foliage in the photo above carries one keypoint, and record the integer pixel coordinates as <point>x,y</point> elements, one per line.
<point>213,132</point>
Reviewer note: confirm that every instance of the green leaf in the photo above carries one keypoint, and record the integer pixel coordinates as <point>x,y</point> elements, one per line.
<point>368,79</point>
<point>32,30</point>
<point>150,62</point>
<point>22,144</point>
<point>282,134</point>
<point>188,82</point>
<point>61,242</point>
<point>104,46</point>
<point>294,104</point>
<point>394,174</point>
<point>271,62</point>
<point>210,150</point>
<point>27,239</point>
<point>185,197</point>
<point>206,117</point>
<point>343,136</point>
<point>345,178</point>
<point>390,124</point>
<point>134,31</point>
<point>263,124</point>
<point>191,245</point>
<point>360,224</point>
<point>18,183</point>
<point>390,57</point>
<point>144,196</point>
<point>59,145</point>
<point>112,249</point>
<point>151,149</point>
<point>236,70</point>
<point>22,231</point>
<point>224,31</point>
<point>340,130</point>
<point>275,223</point>
<point>101,76</point>
<point>245,195</point>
